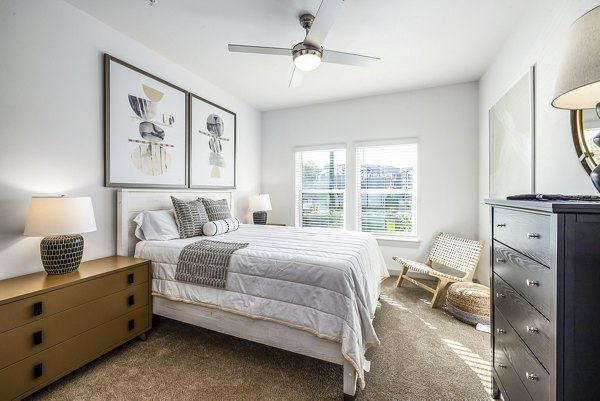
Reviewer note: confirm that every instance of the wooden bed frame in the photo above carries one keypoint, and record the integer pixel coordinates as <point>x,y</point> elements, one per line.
<point>132,201</point>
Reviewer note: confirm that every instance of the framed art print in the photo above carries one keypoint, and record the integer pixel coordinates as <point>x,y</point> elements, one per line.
<point>512,136</point>
<point>145,129</point>
<point>212,145</point>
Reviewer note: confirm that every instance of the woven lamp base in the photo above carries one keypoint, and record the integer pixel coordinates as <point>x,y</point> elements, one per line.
<point>260,217</point>
<point>61,254</point>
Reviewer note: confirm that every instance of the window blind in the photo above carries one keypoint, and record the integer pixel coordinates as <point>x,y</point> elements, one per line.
<point>386,195</point>
<point>320,188</point>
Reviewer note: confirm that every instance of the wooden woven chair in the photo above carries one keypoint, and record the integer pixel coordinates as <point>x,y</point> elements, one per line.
<point>460,255</point>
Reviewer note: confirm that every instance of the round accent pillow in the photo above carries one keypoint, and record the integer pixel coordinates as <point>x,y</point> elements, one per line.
<point>217,227</point>
<point>469,302</point>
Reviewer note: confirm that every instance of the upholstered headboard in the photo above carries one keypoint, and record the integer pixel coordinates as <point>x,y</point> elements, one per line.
<point>132,201</point>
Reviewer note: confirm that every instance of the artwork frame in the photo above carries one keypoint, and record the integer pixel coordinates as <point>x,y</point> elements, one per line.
<point>512,140</point>
<point>211,152</point>
<point>157,110</point>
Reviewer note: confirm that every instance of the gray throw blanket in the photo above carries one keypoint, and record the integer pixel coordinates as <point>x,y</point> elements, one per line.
<point>206,262</point>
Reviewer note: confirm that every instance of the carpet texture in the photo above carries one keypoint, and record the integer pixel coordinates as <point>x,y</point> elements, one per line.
<point>425,354</point>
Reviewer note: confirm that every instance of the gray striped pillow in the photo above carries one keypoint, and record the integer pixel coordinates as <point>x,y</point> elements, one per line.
<point>190,217</point>
<point>217,209</point>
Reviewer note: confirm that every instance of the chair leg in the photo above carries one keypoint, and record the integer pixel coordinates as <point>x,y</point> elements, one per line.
<point>401,276</point>
<point>441,285</point>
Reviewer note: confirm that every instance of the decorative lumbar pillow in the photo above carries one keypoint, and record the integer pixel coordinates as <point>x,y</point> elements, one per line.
<point>156,225</point>
<point>190,217</point>
<point>217,227</point>
<point>217,209</point>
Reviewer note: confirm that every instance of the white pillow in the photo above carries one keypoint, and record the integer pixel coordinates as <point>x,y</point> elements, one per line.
<point>156,225</point>
<point>217,227</point>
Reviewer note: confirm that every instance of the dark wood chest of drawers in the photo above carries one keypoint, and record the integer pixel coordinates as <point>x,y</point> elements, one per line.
<point>52,325</point>
<point>545,306</point>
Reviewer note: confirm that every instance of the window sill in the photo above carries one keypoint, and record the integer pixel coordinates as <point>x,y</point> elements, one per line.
<point>405,240</point>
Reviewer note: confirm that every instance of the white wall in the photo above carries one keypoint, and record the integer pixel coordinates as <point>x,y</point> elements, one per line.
<point>51,120</point>
<point>443,119</point>
<point>539,38</point>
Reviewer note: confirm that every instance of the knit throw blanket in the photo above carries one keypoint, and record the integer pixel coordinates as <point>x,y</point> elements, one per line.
<point>206,262</point>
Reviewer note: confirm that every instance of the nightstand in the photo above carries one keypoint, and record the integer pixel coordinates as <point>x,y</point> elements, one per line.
<point>51,325</point>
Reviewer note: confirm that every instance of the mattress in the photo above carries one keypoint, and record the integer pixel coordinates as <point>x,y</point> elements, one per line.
<point>324,281</point>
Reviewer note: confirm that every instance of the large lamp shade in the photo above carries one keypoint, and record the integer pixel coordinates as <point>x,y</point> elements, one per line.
<point>578,84</point>
<point>60,220</point>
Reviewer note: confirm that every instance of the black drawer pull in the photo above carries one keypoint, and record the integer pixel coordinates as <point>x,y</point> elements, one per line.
<point>531,376</point>
<point>501,225</point>
<point>499,260</point>
<point>37,338</point>
<point>131,324</point>
<point>501,331</point>
<point>37,370</point>
<point>131,300</point>
<point>130,278</point>
<point>532,236</point>
<point>37,309</point>
<point>532,283</point>
<point>500,295</point>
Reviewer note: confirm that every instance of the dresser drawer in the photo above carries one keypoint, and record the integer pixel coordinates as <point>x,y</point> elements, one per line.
<point>530,372</point>
<point>24,311</point>
<point>39,335</point>
<point>515,390</point>
<point>533,328</point>
<point>20,379</point>
<point>530,279</point>
<point>528,233</point>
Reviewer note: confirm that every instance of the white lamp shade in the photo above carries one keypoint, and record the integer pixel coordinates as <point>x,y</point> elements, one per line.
<point>307,62</point>
<point>59,216</point>
<point>260,203</point>
<point>578,85</point>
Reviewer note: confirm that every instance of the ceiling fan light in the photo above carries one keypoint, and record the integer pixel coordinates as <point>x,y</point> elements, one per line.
<point>307,59</point>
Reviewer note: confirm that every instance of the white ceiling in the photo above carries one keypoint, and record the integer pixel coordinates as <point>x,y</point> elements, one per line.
<point>422,43</point>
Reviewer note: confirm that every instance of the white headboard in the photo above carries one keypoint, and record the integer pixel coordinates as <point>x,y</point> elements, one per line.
<point>132,201</point>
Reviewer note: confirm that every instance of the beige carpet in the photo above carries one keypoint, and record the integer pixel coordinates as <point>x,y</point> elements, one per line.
<point>424,355</point>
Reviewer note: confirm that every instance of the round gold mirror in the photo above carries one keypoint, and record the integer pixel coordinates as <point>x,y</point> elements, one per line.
<point>585,125</point>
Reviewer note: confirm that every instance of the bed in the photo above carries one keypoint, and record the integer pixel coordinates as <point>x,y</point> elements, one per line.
<point>309,291</point>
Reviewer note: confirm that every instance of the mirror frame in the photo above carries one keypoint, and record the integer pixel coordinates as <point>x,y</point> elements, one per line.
<point>583,152</point>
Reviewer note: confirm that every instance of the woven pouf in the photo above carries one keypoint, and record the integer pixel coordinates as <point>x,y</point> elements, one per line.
<point>469,302</point>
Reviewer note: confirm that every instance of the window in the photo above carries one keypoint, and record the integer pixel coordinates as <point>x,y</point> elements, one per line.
<point>386,195</point>
<point>321,188</point>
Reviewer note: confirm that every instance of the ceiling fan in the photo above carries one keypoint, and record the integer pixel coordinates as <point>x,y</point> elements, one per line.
<point>309,54</point>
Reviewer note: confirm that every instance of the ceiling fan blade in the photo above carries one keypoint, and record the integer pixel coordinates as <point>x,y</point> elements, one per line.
<point>331,56</point>
<point>297,77</point>
<point>323,22</point>
<point>277,51</point>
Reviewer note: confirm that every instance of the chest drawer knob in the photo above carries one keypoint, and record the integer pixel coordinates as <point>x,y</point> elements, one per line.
<point>502,366</point>
<point>38,370</point>
<point>531,376</point>
<point>500,295</point>
<point>37,338</point>
<point>131,324</point>
<point>500,260</point>
<point>130,278</point>
<point>532,329</point>
<point>500,331</point>
<point>37,309</point>
<point>131,300</point>
<point>500,225</point>
<point>533,236</point>
<point>532,283</point>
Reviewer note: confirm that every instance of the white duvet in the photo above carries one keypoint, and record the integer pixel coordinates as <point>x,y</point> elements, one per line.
<point>324,281</point>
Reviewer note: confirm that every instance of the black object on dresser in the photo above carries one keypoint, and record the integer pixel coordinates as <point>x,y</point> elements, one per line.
<point>545,307</point>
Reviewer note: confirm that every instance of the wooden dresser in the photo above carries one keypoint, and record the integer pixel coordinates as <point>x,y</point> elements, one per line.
<point>545,306</point>
<point>52,325</point>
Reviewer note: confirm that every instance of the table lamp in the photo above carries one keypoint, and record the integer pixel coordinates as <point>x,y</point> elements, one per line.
<point>60,220</point>
<point>578,85</point>
<point>260,204</point>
